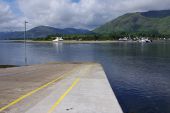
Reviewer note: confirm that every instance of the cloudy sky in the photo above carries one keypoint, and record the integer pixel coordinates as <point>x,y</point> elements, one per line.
<point>86,14</point>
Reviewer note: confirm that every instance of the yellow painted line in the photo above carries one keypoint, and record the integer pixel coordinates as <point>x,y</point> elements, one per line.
<point>63,96</point>
<point>34,91</point>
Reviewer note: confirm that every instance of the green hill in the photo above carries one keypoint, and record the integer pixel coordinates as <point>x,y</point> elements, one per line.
<point>152,22</point>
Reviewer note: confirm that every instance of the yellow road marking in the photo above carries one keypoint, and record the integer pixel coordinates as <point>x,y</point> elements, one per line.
<point>34,91</point>
<point>63,96</point>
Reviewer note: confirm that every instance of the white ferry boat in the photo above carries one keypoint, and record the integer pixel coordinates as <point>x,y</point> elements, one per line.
<point>58,39</point>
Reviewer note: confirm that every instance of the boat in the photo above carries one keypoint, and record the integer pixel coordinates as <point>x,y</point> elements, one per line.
<point>123,39</point>
<point>145,40</point>
<point>58,39</point>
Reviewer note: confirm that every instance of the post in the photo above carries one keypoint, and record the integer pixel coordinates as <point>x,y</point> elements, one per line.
<point>25,42</point>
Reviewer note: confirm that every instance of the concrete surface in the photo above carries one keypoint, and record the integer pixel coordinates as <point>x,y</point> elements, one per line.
<point>92,94</point>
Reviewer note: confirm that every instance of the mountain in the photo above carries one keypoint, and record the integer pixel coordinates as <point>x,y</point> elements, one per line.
<point>151,21</point>
<point>42,31</point>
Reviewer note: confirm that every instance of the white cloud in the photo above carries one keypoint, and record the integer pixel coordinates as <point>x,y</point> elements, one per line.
<point>83,14</point>
<point>5,13</point>
<point>64,13</point>
<point>8,20</point>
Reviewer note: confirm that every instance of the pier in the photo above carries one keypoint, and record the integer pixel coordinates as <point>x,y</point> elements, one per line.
<point>57,88</point>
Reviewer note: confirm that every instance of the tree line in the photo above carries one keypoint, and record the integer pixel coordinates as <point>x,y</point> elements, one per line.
<point>106,36</point>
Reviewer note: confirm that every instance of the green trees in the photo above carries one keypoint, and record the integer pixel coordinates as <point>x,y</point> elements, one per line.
<point>107,36</point>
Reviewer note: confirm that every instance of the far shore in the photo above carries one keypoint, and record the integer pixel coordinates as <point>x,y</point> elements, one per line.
<point>75,41</point>
<point>70,41</point>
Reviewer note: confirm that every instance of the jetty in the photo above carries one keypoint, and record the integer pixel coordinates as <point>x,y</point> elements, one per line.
<point>57,88</point>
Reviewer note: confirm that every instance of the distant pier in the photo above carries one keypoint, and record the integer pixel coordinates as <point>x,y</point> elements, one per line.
<point>57,88</point>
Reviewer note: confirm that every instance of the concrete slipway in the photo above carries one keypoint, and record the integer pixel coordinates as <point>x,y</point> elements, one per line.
<point>57,88</point>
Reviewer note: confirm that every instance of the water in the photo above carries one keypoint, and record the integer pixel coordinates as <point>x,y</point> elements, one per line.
<point>138,73</point>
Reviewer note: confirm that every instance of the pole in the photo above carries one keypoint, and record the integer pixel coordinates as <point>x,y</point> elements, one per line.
<point>25,42</point>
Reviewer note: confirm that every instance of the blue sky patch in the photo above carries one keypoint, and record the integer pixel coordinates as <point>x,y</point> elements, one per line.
<point>75,1</point>
<point>14,6</point>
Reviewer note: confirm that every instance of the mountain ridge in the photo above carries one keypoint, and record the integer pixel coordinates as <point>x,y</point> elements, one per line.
<point>41,32</point>
<point>151,21</point>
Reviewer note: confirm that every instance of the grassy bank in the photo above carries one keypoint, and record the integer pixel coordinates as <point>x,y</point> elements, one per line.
<point>7,66</point>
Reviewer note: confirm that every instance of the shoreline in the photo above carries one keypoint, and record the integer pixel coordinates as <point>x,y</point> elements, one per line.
<point>67,41</point>
<point>77,42</point>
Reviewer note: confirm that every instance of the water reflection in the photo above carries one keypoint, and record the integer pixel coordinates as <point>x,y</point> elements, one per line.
<point>58,46</point>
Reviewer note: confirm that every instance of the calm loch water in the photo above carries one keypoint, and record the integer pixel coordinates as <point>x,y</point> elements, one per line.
<point>138,73</point>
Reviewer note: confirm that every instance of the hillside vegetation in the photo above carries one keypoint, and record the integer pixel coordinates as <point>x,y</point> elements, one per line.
<point>152,23</point>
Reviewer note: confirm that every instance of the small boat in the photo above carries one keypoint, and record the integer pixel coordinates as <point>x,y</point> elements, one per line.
<point>123,39</point>
<point>145,40</point>
<point>58,39</point>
